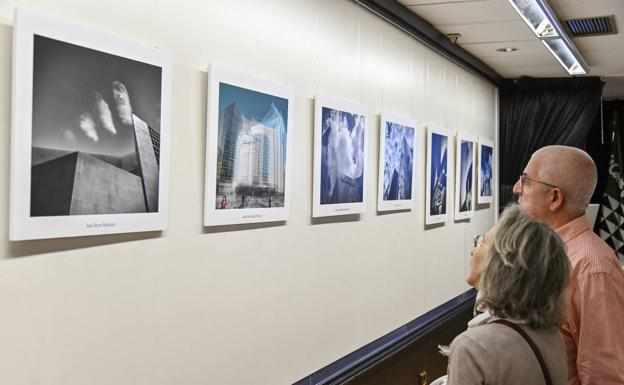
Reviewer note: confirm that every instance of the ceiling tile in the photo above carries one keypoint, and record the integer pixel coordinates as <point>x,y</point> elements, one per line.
<point>473,12</point>
<point>491,32</point>
<point>502,63</point>
<point>572,9</point>
<point>426,2</point>
<point>486,50</point>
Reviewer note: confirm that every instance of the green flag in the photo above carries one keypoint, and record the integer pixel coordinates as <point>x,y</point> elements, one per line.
<point>610,223</point>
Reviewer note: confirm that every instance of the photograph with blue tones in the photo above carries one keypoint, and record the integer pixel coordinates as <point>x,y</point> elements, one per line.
<point>465,175</point>
<point>486,171</point>
<point>342,157</point>
<point>398,161</point>
<point>438,186</point>
<point>251,154</point>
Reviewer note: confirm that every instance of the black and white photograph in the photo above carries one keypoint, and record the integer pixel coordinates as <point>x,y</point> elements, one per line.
<point>249,130</point>
<point>96,143</point>
<point>95,132</point>
<point>436,190</point>
<point>340,148</point>
<point>464,177</point>
<point>486,171</point>
<point>397,157</point>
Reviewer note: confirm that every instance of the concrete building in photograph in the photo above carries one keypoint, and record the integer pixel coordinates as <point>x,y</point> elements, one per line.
<point>79,183</point>
<point>148,166</point>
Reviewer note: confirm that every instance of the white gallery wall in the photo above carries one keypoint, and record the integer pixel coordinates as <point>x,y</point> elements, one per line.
<point>265,304</point>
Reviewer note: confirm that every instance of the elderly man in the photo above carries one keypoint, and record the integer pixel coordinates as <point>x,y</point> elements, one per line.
<point>556,187</point>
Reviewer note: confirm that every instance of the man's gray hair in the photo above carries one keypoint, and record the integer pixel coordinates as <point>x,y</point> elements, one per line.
<point>526,272</point>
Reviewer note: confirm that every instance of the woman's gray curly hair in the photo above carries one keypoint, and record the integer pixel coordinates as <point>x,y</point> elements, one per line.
<point>526,272</point>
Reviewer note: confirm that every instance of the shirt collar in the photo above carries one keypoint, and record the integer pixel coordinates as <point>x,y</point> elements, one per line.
<point>573,228</point>
<point>481,319</point>
<point>486,317</point>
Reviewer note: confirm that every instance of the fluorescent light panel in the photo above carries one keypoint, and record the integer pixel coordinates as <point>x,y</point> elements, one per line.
<point>563,54</point>
<point>534,16</point>
<point>543,22</point>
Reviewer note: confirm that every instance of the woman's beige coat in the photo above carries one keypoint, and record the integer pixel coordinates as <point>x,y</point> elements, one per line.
<point>495,354</point>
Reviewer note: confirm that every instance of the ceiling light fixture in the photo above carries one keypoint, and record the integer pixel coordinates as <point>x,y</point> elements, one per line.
<point>542,20</point>
<point>507,49</point>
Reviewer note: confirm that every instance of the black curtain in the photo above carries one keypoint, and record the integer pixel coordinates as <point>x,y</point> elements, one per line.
<point>539,112</point>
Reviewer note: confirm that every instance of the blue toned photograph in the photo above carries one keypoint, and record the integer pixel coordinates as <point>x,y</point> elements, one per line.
<point>342,157</point>
<point>251,160</point>
<point>486,171</point>
<point>439,155</point>
<point>398,162</point>
<point>466,175</point>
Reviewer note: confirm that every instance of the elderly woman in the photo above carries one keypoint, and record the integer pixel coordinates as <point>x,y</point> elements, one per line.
<point>521,283</point>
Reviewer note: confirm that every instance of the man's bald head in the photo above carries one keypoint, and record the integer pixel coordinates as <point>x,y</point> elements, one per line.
<point>570,169</point>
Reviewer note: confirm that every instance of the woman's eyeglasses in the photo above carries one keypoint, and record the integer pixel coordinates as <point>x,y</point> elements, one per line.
<point>477,241</point>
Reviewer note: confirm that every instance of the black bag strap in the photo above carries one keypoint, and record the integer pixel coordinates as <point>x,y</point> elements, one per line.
<point>531,344</point>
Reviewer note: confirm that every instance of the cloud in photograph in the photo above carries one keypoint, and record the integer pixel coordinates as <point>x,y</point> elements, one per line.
<point>122,101</point>
<point>87,125</point>
<point>357,143</point>
<point>343,149</point>
<point>104,112</point>
<point>70,137</point>
<point>67,79</point>
<point>345,152</point>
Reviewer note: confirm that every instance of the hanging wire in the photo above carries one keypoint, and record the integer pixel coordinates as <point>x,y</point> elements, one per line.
<point>359,35</point>
<point>316,54</point>
<point>411,81</point>
<point>380,71</point>
<point>601,120</point>
<point>15,4</point>
<point>153,25</point>
<point>207,35</point>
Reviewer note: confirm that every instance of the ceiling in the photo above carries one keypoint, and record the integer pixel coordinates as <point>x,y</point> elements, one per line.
<point>486,25</point>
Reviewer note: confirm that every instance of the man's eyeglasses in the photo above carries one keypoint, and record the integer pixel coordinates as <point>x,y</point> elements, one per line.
<point>477,241</point>
<point>524,178</point>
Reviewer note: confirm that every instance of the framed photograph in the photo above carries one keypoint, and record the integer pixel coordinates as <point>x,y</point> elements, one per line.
<point>397,169</point>
<point>249,132</point>
<point>464,176</point>
<point>486,171</point>
<point>436,197</point>
<point>90,132</point>
<point>340,157</point>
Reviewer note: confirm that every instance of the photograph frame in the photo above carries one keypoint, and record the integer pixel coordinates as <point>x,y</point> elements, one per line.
<point>460,138</point>
<point>398,204</point>
<point>23,224</point>
<point>349,107</point>
<point>430,218</point>
<point>213,216</point>
<point>482,199</point>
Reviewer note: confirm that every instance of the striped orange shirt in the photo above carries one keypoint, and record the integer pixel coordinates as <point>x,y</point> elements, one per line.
<point>594,330</point>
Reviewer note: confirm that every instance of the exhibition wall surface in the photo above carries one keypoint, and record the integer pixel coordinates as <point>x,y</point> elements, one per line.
<point>248,303</point>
